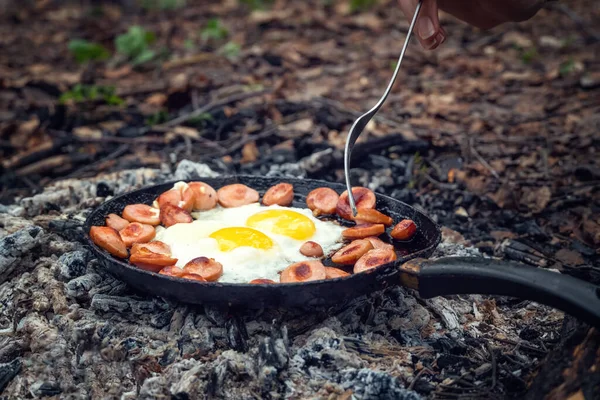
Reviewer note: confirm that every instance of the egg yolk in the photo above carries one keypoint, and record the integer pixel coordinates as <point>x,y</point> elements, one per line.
<point>234,237</point>
<point>283,222</point>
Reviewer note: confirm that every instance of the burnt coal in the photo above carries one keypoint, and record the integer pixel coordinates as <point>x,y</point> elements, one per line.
<point>73,264</point>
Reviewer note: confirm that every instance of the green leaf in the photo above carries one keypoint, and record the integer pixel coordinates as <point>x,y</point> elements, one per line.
<point>84,51</point>
<point>214,30</point>
<point>231,50</point>
<point>135,44</point>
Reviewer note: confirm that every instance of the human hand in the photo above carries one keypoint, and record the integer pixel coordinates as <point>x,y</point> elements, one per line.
<point>483,14</point>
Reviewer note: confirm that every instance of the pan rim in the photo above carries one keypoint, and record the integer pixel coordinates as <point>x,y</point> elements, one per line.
<point>100,253</point>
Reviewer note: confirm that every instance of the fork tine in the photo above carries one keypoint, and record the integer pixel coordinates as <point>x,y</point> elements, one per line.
<point>359,125</point>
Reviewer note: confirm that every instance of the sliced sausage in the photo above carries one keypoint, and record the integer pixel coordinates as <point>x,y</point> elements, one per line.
<point>171,215</point>
<point>205,196</point>
<point>404,230</point>
<point>108,239</point>
<point>303,271</point>
<point>281,194</point>
<point>372,216</point>
<point>322,201</point>
<point>332,273</point>
<point>207,268</point>
<point>378,243</point>
<point>172,270</point>
<point>142,213</point>
<point>182,197</point>
<point>156,246</point>
<point>363,231</point>
<point>373,259</point>
<point>311,249</point>
<point>146,259</point>
<point>236,195</point>
<point>349,254</point>
<point>363,197</point>
<point>261,281</point>
<point>193,277</point>
<point>137,233</point>
<point>116,222</point>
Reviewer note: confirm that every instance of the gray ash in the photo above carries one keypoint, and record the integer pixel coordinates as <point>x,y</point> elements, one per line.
<point>73,331</point>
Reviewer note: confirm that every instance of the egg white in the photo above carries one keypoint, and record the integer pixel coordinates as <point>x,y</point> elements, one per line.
<point>241,265</point>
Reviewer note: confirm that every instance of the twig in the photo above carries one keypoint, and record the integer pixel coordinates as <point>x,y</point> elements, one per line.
<point>577,19</point>
<point>494,366</point>
<point>118,152</point>
<point>211,106</point>
<point>482,160</point>
<point>421,372</point>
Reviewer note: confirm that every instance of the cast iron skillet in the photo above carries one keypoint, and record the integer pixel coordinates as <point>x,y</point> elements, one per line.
<point>445,276</point>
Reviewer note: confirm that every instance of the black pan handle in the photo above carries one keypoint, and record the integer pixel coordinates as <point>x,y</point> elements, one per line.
<point>474,275</point>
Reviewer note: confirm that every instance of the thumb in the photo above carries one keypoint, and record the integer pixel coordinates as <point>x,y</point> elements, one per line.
<point>427,28</point>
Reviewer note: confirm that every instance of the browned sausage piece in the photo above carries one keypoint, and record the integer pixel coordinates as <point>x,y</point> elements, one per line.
<point>205,197</point>
<point>349,254</point>
<point>155,246</point>
<point>207,268</point>
<point>261,281</point>
<point>303,271</point>
<point>150,261</point>
<point>116,222</point>
<point>172,270</point>
<point>281,194</point>
<point>378,243</point>
<point>182,197</point>
<point>137,233</point>
<point>373,259</point>
<point>109,239</point>
<point>311,249</point>
<point>193,277</point>
<point>171,215</point>
<point>332,273</point>
<point>236,195</point>
<point>404,230</point>
<point>364,198</point>
<point>322,201</point>
<point>142,213</point>
<point>372,216</point>
<point>363,231</point>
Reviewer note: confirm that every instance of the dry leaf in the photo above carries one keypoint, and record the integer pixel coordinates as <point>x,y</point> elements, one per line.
<point>569,257</point>
<point>156,99</point>
<point>87,132</point>
<point>249,152</point>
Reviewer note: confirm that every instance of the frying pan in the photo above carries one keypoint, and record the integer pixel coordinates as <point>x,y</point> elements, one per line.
<point>443,276</point>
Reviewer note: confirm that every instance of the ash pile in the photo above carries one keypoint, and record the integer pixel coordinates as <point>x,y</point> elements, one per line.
<point>71,330</point>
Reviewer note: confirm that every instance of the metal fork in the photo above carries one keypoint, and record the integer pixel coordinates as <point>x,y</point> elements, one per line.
<point>364,119</point>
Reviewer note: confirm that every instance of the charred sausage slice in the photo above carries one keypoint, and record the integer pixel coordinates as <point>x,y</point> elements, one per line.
<point>156,246</point>
<point>150,261</point>
<point>322,201</point>
<point>378,243</point>
<point>404,230</point>
<point>172,270</point>
<point>349,254</point>
<point>281,194</point>
<point>373,259</point>
<point>236,195</point>
<point>207,268</point>
<point>108,239</point>
<point>192,277</point>
<point>116,222</point>
<point>364,198</point>
<point>332,273</point>
<point>205,196</point>
<point>303,271</point>
<point>137,233</point>
<point>142,213</point>
<point>181,196</point>
<point>171,215</point>
<point>261,281</point>
<point>363,231</point>
<point>372,216</point>
<point>311,249</point>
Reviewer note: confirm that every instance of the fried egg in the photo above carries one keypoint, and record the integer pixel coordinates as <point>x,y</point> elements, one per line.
<point>251,241</point>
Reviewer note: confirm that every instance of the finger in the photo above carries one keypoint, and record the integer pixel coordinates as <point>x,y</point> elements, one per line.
<point>427,27</point>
